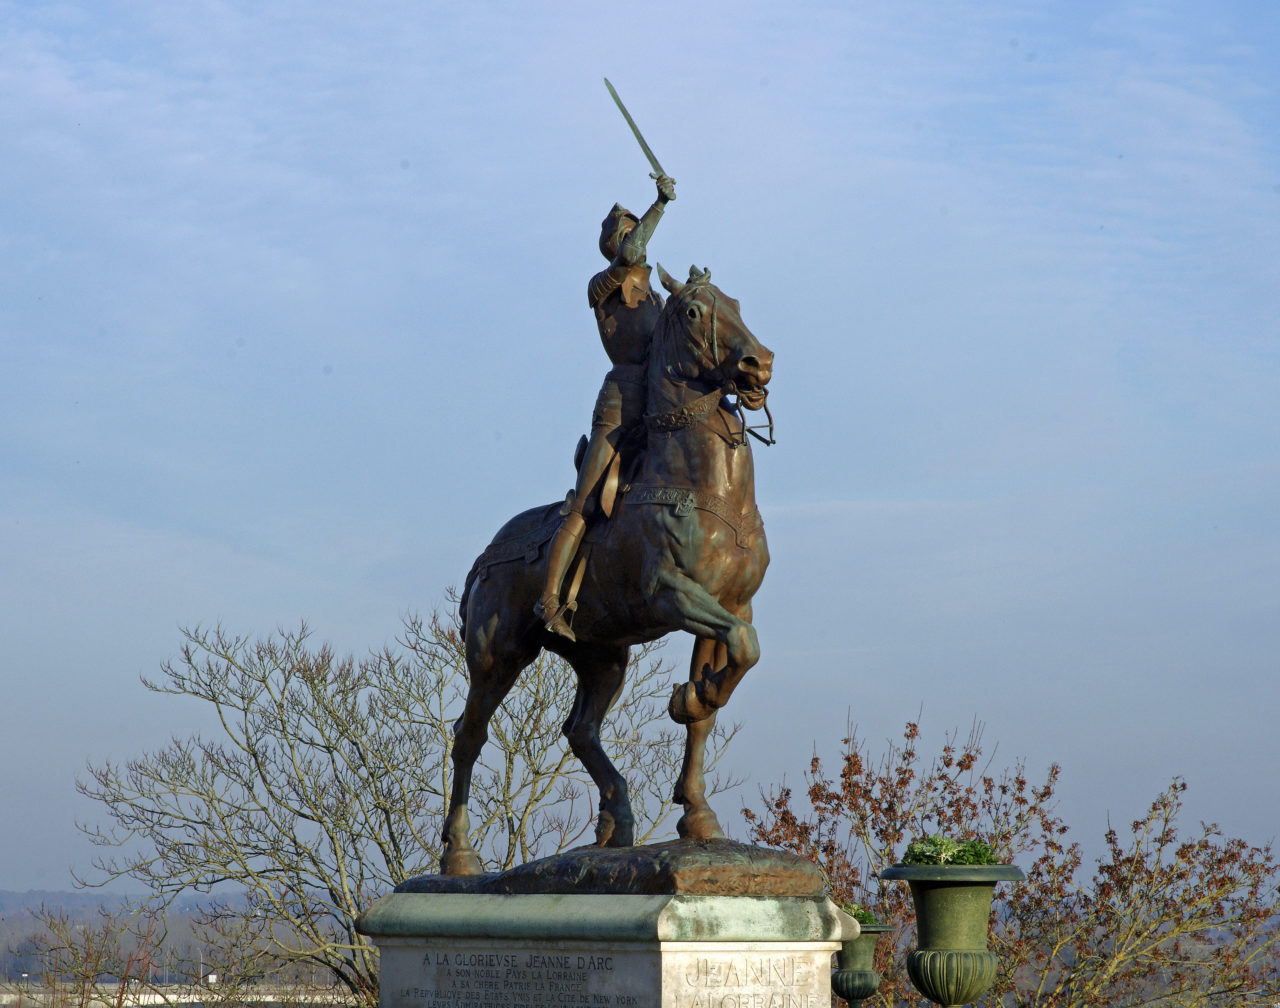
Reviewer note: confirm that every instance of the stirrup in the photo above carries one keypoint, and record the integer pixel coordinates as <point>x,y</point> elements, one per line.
<point>557,622</point>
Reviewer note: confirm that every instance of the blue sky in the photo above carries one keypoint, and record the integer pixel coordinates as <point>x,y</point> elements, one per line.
<point>293,318</point>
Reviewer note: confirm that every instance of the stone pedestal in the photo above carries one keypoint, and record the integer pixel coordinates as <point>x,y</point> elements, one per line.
<point>495,941</point>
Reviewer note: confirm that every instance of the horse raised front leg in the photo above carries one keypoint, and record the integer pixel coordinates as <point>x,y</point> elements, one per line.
<point>693,608</point>
<point>701,698</point>
<point>699,822</point>
<point>601,671</point>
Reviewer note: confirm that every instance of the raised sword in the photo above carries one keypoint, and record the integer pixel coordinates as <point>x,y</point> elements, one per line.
<point>648,152</point>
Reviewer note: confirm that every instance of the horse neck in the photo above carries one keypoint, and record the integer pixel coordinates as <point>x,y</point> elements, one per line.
<point>706,455</point>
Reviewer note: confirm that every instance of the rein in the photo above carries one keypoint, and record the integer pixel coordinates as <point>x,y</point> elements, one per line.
<point>752,428</point>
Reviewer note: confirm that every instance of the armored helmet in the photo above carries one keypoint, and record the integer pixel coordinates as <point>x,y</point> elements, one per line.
<point>613,227</point>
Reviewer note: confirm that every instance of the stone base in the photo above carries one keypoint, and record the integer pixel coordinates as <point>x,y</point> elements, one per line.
<point>467,944</point>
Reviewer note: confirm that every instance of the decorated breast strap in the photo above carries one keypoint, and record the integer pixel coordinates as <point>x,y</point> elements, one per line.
<point>686,416</point>
<point>685,500</point>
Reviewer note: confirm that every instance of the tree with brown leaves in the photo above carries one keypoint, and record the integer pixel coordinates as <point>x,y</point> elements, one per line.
<point>1163,919</point>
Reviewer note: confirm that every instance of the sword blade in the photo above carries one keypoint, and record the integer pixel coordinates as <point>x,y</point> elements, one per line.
<point>653,161</point>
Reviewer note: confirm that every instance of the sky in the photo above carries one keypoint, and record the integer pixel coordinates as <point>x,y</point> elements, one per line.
<point>293,317</point>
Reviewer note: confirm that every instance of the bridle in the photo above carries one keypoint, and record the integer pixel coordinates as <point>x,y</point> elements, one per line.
<point>702,408</point>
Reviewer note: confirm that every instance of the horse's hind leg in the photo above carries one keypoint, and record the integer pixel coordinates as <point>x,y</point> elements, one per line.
<point>601,671</point>
<point>698,821</point>
<point>493,671</point>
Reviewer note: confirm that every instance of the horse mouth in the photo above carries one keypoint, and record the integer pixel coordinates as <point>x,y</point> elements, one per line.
<point>752,398</point>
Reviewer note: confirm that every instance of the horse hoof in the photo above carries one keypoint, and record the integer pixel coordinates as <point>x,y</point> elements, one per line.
<point>461,862</point>
<point>685,706</point>
<point>615,832</point>
<point>700,825</point>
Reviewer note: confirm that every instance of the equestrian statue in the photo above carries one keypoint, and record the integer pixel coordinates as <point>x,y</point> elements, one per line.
<point>661,533</point>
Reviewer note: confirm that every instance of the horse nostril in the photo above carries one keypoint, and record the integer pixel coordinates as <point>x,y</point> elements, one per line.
<point>752,367</point>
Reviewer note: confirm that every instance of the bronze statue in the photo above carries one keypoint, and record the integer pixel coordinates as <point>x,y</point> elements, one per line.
<point>683,550</point>
<point>680,544</point>
<point>626,311</point>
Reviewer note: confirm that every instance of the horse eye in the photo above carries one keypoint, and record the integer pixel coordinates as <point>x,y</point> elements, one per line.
<point>692,311</point>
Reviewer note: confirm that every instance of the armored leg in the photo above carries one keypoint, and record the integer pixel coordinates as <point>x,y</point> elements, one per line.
<point>563,549</point>
<point>600,451</point>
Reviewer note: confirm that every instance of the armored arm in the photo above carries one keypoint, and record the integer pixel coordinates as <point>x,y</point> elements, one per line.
<point>631,251</point>
<point>605,283</point>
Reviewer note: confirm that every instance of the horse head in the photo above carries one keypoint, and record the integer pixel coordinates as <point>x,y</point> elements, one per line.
<point>701,339</point>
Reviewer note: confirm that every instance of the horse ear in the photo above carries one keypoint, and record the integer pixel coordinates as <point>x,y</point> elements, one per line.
<point>699,275</point>
<point>672,285</point>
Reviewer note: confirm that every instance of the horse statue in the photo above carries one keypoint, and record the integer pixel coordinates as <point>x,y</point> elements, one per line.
<point>684,549</point>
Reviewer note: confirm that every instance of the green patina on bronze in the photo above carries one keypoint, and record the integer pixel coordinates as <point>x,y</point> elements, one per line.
<point>677,891</point>
<point>951,965</point>
<point>600,918</point>
<point>855,978</point>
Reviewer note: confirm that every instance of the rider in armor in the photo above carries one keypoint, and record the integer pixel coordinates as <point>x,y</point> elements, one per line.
<point>626,311</point>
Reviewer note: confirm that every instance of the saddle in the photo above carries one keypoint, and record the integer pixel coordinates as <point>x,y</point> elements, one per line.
<point>622,469</point>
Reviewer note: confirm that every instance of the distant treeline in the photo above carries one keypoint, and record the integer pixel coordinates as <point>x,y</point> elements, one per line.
<point>20,927</point>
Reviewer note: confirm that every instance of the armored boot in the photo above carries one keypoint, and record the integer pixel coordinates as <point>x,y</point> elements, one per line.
<point>563,549</point>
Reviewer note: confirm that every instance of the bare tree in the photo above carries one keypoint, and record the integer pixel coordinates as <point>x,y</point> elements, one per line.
<point>97,960</point>
<point>327,783</point>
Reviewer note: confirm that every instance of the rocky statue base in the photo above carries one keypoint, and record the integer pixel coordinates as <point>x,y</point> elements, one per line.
<point>688,924</point>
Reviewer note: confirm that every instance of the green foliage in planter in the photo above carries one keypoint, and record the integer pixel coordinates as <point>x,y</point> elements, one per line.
<point>859,913</point>
<point>942,850</point>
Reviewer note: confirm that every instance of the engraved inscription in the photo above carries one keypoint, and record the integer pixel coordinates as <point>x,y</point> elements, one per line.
<point>547,974</point>
<point>751,981</point>
<point>488,978</point>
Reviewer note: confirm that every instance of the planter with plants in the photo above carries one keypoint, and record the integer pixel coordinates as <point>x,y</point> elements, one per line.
<point>952,882</point>
<point>854,977</point>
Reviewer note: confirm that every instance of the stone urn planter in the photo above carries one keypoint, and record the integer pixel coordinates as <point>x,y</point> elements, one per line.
<point>951,965</point>
<point>854,977</point>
